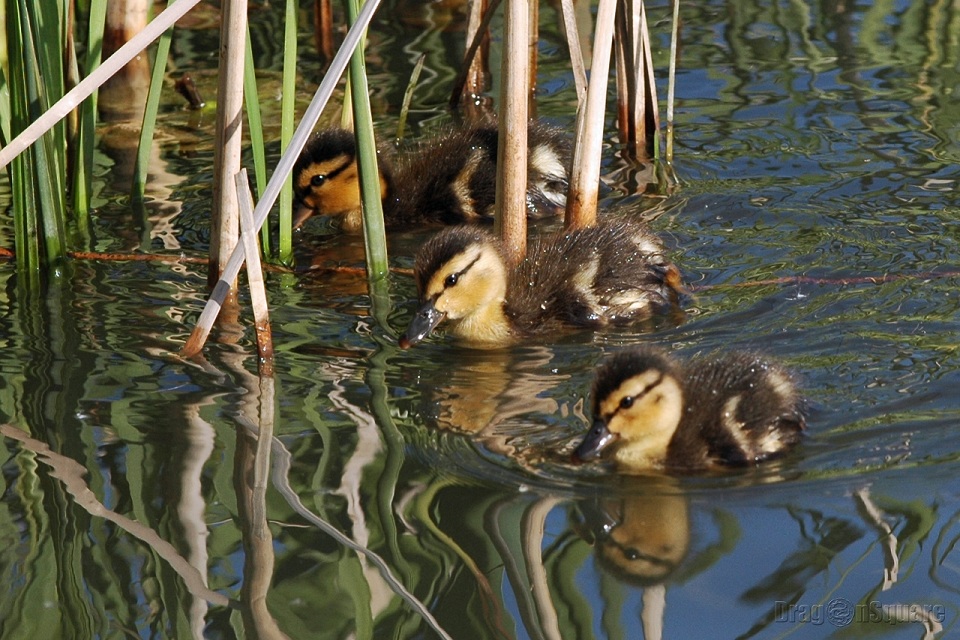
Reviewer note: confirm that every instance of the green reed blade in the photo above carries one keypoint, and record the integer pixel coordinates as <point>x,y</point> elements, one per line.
<point>25,213</point>
<point>251,102</point>
<point>287,104</point>
<point>374,234</point>
<point>149,125</point>
<point>39,196</point>
<point>86,132</point>
<point>47,22</point>
<point>5,114</point>
<point>408,96</point>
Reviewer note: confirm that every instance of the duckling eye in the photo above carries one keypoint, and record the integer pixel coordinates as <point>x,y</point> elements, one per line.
<point>626,402</point>
<point>451,280</point>
<point>318,180</point>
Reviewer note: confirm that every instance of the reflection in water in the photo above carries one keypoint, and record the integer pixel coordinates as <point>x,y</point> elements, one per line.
<point>641,539</point>
<point>490,388</point>
<point>492,396</point>
<point>815,141</point>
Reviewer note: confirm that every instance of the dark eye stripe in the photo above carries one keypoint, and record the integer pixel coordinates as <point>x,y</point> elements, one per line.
<point>333,173</point>
<point>642,393</point>
<point>451,280</point>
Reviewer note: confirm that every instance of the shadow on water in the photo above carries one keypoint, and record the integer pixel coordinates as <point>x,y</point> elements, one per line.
<point>372,492</point>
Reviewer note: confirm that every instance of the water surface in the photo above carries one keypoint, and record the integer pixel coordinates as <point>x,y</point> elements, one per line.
<point>816,219</point>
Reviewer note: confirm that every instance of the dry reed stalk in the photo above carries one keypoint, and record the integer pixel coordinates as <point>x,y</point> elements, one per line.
<point>672,76</point>
<point>585,173</point>
<point>511,195</point>
<point>637,118</point>
<point>533,39</point>
<point>323,28</point>
<point>223,286</point>
<point>476,63</point>
<point>225,218</point>
<point>576,52</point>
<point>258,293</point>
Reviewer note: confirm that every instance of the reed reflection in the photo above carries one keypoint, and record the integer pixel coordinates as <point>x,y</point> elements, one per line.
<point>489,392</point>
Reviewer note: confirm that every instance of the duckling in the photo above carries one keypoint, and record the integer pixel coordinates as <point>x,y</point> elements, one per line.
<point>449,179</point>
<point>652,412</point>
<point>612,273</point>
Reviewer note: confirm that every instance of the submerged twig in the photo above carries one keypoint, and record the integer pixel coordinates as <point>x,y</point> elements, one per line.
<point>889,277</point>
<point>281,481</point>
<point>873,514</point>
<point>182,259</point>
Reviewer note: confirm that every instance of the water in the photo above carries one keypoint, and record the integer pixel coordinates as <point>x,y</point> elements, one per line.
<point>817,220</point>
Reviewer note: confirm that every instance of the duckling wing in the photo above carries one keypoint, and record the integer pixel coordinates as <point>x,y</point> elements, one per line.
<point>740,408</point>
<point>614,272</point>
<point>451,177</point>
<point>617,272</point>
<point>448,178</point>
<point>548,170</point>
<point>634,278</point>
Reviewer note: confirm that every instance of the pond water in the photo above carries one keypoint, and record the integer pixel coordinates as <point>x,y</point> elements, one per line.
<point>817,219</point>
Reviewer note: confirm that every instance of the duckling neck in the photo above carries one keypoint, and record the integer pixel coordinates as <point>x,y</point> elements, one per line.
<point>648,453</point>
<point>642,455</point>
<point>352,220</point>
<point>487,324</point>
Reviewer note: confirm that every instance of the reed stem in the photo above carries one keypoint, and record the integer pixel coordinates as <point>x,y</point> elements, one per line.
<point>585,174</point>
<point>511,215</point>
<point>225,214</point>
<point>672,76</point>
<point>222,288</point>
<point>149,123</point>
<point>374,236</point>
<point>287,105</point>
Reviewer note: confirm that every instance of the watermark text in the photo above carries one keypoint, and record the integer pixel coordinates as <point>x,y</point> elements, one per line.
<point>841,612</point>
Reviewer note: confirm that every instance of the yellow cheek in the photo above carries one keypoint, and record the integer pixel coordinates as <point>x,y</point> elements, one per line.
<point>452,306</point>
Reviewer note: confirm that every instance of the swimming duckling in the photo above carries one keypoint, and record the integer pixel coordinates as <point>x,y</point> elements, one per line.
<point>652,412</point>
<point>612,273</point>
<point>449,178</point>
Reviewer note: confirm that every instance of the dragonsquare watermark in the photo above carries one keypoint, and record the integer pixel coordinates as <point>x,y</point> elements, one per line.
<point>841,612</point>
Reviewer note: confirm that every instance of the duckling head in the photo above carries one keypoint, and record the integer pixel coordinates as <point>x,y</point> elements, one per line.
<point>326,179</point>
<point>637,406</point>
<point>461,278</point>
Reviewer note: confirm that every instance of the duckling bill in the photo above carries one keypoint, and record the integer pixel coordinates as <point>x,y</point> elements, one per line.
<point>449,178</point>
<point>653,412</point>
<point>616,272</point>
